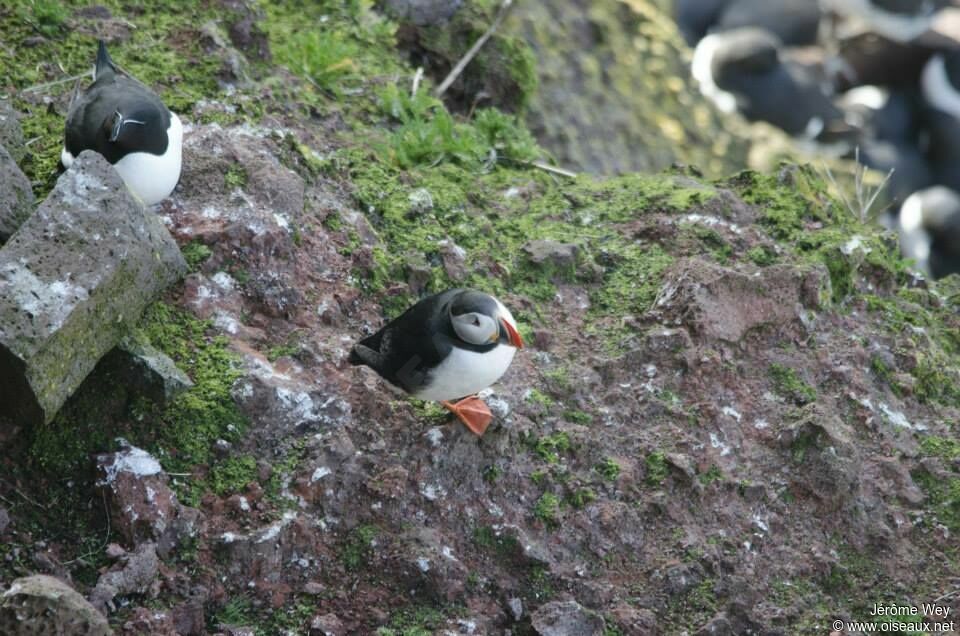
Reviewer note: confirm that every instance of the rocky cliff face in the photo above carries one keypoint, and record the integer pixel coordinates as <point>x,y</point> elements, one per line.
<point>737,413</point>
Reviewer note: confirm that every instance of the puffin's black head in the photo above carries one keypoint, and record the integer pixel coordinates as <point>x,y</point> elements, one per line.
<point>139,130</point>
<point>478,319</point>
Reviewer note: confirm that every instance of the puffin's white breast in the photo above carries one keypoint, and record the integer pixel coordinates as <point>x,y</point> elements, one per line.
<point>466,372</point>
<point>153,177</point>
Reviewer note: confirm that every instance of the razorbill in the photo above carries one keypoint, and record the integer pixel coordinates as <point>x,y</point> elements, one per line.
<point>741,70</point>
<point>130,126</point>
<point>930,230</point>
<point>447,346</point>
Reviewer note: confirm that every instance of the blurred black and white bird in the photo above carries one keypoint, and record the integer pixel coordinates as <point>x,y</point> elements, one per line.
<point>930,230</point>
<point>941,92</point>
<point>447,346</point>
<point>742,70</point>
<point>900,20</point>
<point>130,126</point>
<point>794,22</point>
<point>891,137</point>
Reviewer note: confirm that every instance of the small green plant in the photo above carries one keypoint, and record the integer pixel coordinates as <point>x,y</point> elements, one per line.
<point>492,473</point>
<point>788,384</point>
<point>357,550</point>
<point>236,177</point>
<point>581,497</point>
<point>46,16</point>
<point>578,417</point>
<point>547,509</point>
<point>711,475</point>
<point>609,469</point>
<point>237,611</point>
<point>762,255</point>
<point>656,468</point>
<point>549,447</point>
<point>195,253</point>
<point>231,475</point>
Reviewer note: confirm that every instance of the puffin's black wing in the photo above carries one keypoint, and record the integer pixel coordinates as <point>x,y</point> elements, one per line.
<point>411,345</point>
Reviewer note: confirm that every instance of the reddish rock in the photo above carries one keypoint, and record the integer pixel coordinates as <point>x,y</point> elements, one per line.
<point>142,505</point>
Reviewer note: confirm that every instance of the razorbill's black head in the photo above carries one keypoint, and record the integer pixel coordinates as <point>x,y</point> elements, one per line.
<point>930,230</point>
<point>129,125</point>
<point>742,70</point>
<point>449,345</point>
<point>793,22</point>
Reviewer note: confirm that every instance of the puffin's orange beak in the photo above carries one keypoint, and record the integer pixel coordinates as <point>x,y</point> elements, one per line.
<point>513,334</point>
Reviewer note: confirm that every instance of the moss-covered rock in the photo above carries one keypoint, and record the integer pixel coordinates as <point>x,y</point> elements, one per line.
<point>73,279</point>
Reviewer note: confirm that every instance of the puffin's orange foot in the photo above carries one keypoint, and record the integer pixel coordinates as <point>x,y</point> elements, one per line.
<point>472,412</point>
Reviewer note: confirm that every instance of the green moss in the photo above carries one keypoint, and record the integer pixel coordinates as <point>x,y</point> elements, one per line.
<point>358,547</point>
<point>195,253</point>
<point>787,201</point>
<point>539,397</point>
<point>580,497</point>
<point>503,546</point>
<point>233,474</point>
<point>942,447</point>
<point>609,469</point>
<point>206,412</point>
<point>711,475</point>
<point>762,255</point>
<point>788,384</point>
<point>657,468</point>
<point>238,610</point>
<point>936,380</point>
<point>549,447</point>
<point>547,509</point>
<point>417,620</point>
<point>943,497</point>
<point>578,417</point>
<point>350,44</point>
<point>235,177</point>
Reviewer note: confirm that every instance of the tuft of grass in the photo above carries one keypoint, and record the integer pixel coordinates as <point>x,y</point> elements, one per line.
<point>195,253</point>
<point>549,447</point>
<point>657,469</point>
<point>609,469</point>
<point>547,509</point>
<point>788,384</point>
<point>233,474</point>
<point>358,548</point>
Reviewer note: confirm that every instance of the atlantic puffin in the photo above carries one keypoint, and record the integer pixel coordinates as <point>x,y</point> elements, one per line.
<point>130,126</point>
<point>447,346</point>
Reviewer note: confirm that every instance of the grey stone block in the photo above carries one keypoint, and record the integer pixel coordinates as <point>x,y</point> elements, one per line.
<point>16,197</point>
<point>73,280</point>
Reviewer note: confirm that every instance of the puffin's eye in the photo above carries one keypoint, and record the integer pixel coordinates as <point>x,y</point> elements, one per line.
<point>476,321</point>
